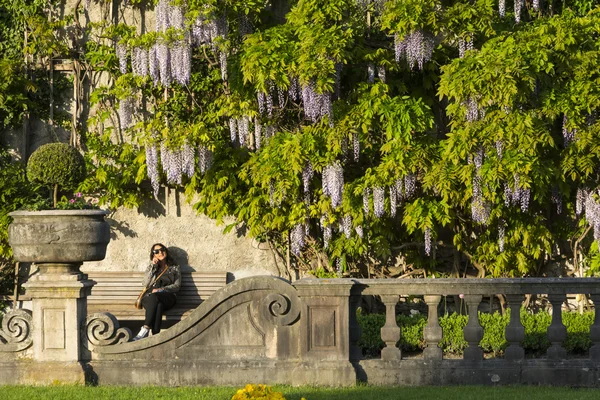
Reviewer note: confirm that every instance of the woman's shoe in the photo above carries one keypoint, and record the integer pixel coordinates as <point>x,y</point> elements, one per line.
<point>142,333</point>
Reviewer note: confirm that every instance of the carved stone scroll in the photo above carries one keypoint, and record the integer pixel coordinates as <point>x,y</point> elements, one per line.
<point>281,309</point>
<point>15,333</point>
<point>102,329</point>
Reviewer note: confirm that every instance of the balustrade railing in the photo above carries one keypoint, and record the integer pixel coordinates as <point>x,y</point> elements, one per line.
<point>473,290</point>
<point>303,333</point>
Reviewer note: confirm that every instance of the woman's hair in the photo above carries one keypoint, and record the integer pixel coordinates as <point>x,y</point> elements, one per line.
<point>168,259</point>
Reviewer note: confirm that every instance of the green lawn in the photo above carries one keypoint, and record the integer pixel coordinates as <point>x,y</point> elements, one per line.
<point>296,393</point>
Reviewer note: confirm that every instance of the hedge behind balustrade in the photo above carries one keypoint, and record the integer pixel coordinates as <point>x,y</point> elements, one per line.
<point>578,332</point>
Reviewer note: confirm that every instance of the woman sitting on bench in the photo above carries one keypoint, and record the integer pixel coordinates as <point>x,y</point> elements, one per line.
<point>164,279</point>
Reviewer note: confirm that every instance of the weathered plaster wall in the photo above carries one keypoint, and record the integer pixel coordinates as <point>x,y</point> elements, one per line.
<point>195,240</point>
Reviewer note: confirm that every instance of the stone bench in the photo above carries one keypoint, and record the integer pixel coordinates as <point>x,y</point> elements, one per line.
<point>116,292</point>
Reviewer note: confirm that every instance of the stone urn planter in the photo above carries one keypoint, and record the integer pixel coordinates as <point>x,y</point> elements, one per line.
<point>59,240</point>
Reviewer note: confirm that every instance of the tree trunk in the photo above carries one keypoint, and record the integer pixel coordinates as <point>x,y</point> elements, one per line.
<point>55,195</point>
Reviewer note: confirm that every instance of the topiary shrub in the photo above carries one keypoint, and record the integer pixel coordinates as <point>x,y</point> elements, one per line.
<point>56,165</point>
<point>578,339</point>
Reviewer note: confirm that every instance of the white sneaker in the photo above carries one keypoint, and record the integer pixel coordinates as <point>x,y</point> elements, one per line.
<point>141,334</point>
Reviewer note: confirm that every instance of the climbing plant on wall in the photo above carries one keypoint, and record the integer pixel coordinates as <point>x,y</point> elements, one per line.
<point>29,39</point>
<point>345,132</point>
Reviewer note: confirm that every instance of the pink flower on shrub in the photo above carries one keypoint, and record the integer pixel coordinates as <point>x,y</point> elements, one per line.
<point>72,201</point>
<point>78,194</point>
<point>462,296</point>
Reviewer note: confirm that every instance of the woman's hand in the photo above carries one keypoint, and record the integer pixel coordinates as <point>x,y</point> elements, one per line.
<point>156,290</point>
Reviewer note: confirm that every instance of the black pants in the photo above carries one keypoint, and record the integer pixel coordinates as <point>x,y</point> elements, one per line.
<point>155,304</point>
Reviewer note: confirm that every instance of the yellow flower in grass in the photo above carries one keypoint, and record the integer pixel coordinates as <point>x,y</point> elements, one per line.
<point>259,392</point>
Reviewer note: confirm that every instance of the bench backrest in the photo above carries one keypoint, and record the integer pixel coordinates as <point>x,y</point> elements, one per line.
<point>122,288</point>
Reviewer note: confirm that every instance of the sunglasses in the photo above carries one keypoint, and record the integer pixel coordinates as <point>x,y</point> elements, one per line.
<point>163,250</point>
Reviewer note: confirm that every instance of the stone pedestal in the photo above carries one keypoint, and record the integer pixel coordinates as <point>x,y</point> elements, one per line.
<point>329,328</point>
<point>59,311</point>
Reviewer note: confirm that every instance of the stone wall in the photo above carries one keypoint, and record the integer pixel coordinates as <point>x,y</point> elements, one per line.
<point>195,241</point>
<point>266,330</point>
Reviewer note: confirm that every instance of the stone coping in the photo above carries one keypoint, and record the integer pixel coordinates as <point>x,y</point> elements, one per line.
<point>59,213</point>
<point>454,286</point>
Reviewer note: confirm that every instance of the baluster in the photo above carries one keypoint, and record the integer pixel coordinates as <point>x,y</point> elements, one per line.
<point>515,332</point>
<point>355,350</point>
<point>432,333</point>
<point>390,333</point>
<point>473,332</point>
<point>595,329</point>
<point>557,332</point>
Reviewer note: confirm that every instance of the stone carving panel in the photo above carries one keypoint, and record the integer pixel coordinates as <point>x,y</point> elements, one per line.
<point>276,309</point>
<point>239,322</point>
<point>54,328</point>
<point>322,328</point>
<point>15,332</point>
<point>235,335</point>
<point>102,329</point>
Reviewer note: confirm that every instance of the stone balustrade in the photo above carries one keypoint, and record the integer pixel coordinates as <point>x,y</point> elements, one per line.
<point>473,290</point>
<point>264,329</point>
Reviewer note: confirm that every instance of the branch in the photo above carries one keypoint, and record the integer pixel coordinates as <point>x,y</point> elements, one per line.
<point>480,269</point>
<point>208,59</point>
<point>413,272</point>
<point>478,266</point>
<point>76,14</point>
<point>274,251</point>
<point>405,245</point>
<point>576,246</point>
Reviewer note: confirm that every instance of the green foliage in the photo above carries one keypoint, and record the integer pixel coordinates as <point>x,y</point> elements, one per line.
<point>116,171</point>
<point>494,326</point>
<point>470,127</point>
<point>13,99</point>
<point>412,331</point>
<point>24,87</point>
<point>523,78</point>
<point>453,339</point>
<point>357,392</point>
<point>370,333</point>
<point>578,331</point>
<point>535,331</point>
<point>56,164</point>
<point>77,202</point>
<point>16,193</point>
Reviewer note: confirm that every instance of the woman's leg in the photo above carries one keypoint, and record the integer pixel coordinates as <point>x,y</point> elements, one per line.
<point>158,320</point>
<point>150,303</point>
<point>166,301</point>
